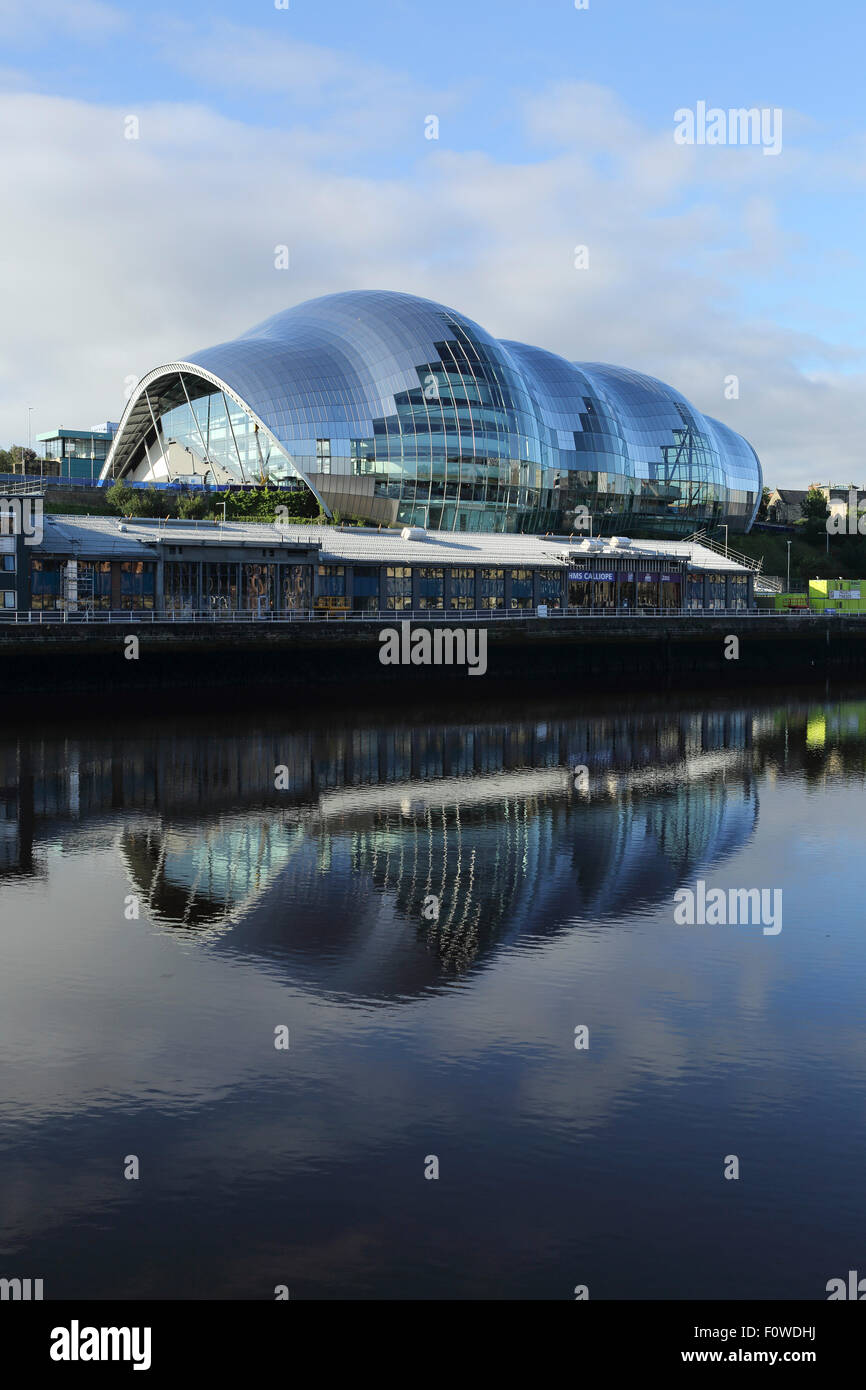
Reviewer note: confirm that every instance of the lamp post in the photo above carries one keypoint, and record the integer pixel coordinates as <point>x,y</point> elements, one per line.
<point>788,590</point>
<point>30,410</point>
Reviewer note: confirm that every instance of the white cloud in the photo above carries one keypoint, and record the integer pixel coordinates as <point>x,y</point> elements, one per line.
<point>124,253</point>
<point>26,20</point>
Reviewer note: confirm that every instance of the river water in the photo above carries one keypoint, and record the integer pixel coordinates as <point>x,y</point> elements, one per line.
<point>260,982</point>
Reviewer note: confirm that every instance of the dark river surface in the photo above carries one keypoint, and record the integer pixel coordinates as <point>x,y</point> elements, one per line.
<point>167,912</point>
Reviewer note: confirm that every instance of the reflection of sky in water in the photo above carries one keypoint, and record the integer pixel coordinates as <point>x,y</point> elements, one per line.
<point>409,1037</point>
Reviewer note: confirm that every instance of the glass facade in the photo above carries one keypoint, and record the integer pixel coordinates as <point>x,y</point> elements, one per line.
<point>452,429</point>
<point>264,585</point>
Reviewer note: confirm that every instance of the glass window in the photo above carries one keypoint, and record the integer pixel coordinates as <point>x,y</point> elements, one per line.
<point>398,587</point>
<point>670,591</point>
<point>46,578</point>
<point>647,591</point>
<point>180,581</point>
<point>331,587</point>
<point>739,591</point>
<point>94,584</point>
<point>296,588</point>
<point>550,588</point>
<point>491,584</point>
<point>579,593</point>
<point>695,591</point>
<point>717,590</point>
<point>9,598</point>
<point>462,586</point>
<point>257,587</point>
<point>219,584</point>
<point>521,588</point>
<point>431,587</point>
<point>323,455</point>
<point>604,593</point>
<point>627,592</point>
<point>365,588</point>
<point>137,584</point>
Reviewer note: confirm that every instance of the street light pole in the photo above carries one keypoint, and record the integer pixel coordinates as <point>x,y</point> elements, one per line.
<point>30,410</point>
<point>788,590</point>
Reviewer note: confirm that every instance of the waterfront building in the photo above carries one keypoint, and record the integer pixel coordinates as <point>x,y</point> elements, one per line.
<point>101,564</point>
<point>399,410</point>
<point>74,453</point>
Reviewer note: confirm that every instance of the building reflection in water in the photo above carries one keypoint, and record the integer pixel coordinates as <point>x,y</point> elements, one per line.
<point>331,876</point>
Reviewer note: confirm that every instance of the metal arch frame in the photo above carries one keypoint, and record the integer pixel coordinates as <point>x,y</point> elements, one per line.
<point>171,369</point>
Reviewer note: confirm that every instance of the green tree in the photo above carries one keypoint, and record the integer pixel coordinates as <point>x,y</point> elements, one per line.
<point>261,503</point>
<point>764,503</point>
<point>299,502</point>
<point>193,506</point>
<point>815,512</point>
<point>18,459</point>
<point>122,498</point>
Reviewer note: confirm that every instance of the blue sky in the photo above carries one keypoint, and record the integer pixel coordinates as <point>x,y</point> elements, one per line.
<point>305,127</point>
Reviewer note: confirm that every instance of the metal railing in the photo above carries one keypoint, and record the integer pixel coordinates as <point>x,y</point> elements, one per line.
<point>769,584</point>
<point>389,617</point>
<point>747,561</point>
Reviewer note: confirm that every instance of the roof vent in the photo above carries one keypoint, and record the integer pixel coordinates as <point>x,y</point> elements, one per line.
<point>620,542</point>
<point>413,533</point>
<point>121,526</point>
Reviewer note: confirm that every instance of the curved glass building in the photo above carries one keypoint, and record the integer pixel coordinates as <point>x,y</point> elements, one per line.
<point>401,410</point>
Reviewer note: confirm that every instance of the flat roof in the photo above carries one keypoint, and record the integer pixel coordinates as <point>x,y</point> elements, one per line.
<point>365,545</point>
<point>75,434</point>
